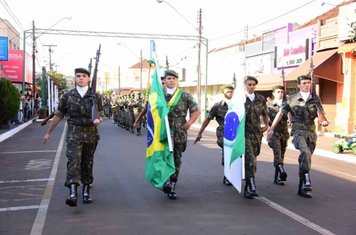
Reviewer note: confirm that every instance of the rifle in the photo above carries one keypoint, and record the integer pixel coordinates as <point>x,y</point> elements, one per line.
<point>94,109</point>
<point>315,97</point>
<point>44,122</point>
<point>284,84</point>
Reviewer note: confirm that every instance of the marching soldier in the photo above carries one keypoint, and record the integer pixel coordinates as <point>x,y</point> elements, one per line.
<point>82,135</point>
<point>304,110</point>
<point>218,111</point>
<point>279,139</point>
<point>255,107</point>
<point>182,102</point>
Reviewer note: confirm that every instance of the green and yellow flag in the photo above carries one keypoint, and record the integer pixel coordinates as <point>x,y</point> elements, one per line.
<point>159,158</point>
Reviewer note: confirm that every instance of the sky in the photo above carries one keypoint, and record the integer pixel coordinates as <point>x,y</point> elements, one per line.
<point>223,24</point>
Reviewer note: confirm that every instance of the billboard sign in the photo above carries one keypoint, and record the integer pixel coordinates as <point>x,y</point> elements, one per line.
<point>4,48</point>
<point>13,68</point>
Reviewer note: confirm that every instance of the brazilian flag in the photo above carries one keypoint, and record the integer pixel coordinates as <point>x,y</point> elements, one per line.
<point>159,159</point>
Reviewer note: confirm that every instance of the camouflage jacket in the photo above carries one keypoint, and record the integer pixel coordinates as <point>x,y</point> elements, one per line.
<point>78,111</point>
<point>177,117</point>
<point>218,111</point>
<point>254,110</point>
<point>281,130</point>
<point>303,112</point>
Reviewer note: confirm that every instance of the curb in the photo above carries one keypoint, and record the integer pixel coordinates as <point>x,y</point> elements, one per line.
<point>15,130</point>
<point>320,152</point>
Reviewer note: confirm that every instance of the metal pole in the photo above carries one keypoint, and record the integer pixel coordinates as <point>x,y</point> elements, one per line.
<point>43,88</point>
<point>33,62</point>
<point>141,71</point>
<point>119,78</point>
<point>198,69</point>
<point>206,77</point>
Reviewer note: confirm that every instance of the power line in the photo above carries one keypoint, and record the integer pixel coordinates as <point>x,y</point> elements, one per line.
<point>13,16</point>
<point>265,22</point>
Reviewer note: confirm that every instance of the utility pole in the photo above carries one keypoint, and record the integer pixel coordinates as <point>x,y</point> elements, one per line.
<point>199,69</point>
<point>50,55</point>
<point>167,63</point>
<point>141,64</point>
<point>33,60</point>
<point>119,78</point>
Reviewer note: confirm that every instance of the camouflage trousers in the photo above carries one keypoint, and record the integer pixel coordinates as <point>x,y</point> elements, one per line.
<point>80,158</point>
<point>279,146</point>
<point>252,150</point>
<point>177,153</point>
<point>305,142</point>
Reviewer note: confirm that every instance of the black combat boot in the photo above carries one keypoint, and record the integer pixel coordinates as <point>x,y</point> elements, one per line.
<point>252,186</point>
<point>226,182</point>
<point>167,187</point>
<point>172,194</point>
<point>282,173</point>
<point>86,197</point>
<point>302,190</point>
<point>247,191</point>
<point>307,182</point>
<point>276,177</point>
<point>72,198</point>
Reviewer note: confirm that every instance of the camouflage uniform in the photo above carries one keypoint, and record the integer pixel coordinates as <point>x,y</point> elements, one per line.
<point>303,128</point>
<point>177,119</point>
<point>253,135</point>
<point>82,135</point>
<point>279,140</point>
<point>218,111</point>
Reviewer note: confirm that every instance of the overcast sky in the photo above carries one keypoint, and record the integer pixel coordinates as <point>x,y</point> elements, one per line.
<point>223,24</point>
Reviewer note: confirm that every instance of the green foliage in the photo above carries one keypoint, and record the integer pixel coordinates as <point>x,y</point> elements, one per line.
<point>59,80</point>
<point>9,100</point>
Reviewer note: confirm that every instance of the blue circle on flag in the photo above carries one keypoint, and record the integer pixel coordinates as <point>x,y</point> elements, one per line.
<point>150,126</point>
<point>232,123</point>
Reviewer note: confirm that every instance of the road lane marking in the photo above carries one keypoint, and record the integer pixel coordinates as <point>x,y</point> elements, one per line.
<point>19,208</point>
<point>296,217</point>
<point>25,181</point>
<point>38,225</point>
<point>27,152</point>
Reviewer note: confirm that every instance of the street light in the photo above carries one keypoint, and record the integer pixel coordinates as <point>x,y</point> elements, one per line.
<point>199,29</point>
<point>160,1</point>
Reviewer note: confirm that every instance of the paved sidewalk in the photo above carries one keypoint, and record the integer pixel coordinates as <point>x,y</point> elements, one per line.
<point>323,147</point>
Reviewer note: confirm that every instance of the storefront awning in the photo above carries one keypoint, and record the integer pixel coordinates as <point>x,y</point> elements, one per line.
<point>327,65</point>
<point>268,81</point>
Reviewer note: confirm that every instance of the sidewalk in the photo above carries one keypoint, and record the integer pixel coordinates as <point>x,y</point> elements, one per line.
<point>323,146</point>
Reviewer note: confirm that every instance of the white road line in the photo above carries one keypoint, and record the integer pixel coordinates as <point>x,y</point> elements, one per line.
<point>38,225</point>
<point>19,208</point>
<point>296,217</point>
<point>15,130</point>
<point>26,152</point>
<point>25,181</point>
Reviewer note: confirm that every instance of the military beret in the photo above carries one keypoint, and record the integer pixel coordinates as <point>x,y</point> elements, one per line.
<point>278,87</point>
<point>250,78</point>
<point>227,86</point>
<point>170,72</point>
<point>303,77</point>
<point>82,70</point>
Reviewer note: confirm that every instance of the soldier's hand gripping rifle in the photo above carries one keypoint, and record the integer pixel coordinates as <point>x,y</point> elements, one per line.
<point>321,115</point>
<point>94,109</point>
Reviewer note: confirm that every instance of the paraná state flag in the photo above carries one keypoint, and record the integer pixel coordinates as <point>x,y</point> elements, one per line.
<point>234,138</point>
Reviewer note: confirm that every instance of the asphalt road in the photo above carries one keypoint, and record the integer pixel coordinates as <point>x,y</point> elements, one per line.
<point>32,192</point>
